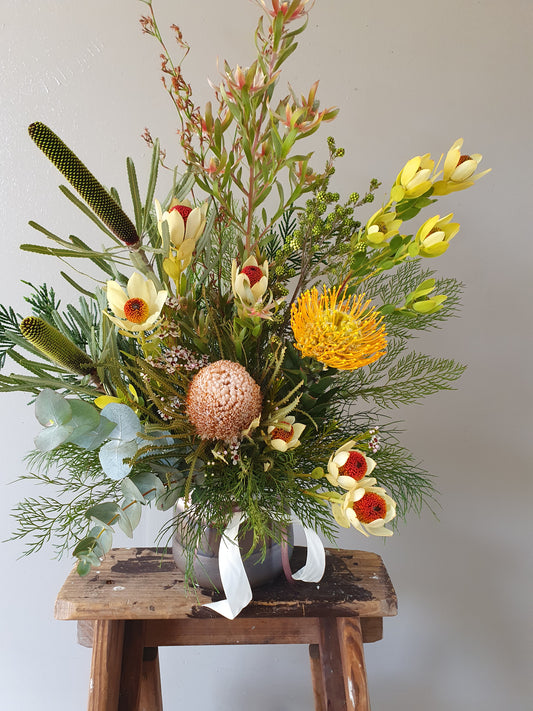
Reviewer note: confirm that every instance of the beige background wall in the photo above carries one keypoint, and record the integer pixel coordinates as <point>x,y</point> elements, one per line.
<point>409,77</point>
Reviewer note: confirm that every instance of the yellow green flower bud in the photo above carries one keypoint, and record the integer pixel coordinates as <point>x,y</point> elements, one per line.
<point>55,346</point>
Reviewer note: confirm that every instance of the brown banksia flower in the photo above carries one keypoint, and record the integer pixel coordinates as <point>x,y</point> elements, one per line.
<point>223,400</point>
<point>84,182</point>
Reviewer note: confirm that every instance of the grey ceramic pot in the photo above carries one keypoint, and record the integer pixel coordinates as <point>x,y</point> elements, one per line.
<point>205,565</point>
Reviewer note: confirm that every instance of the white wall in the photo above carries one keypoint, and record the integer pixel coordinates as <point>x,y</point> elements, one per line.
<point>409,77</point>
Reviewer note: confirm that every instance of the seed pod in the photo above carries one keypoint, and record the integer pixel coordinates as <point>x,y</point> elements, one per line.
<point>55,346</point>
<point>93,192</point>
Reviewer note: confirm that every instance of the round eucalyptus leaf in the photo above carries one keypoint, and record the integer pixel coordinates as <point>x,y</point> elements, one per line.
<point>150,486</point>
<point>127,423</point>
<point>84,567</point>
<point>105,514</point>
<point>130,517</point>
<point>167,501</point>
<point>84,414</point>
<point>52,436</point>
<point>129,490</point>
<point>104,537</point>
<point>51,408</point>
<point>95,437</point>
<point>112,457</point>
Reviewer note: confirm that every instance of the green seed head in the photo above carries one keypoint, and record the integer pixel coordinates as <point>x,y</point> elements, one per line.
<point>55,346</point>
<point>94,194</point>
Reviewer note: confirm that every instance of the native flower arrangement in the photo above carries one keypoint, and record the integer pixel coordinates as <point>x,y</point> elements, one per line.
<point>248,335</point>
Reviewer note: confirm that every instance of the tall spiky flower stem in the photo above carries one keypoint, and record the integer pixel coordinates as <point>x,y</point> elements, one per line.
<point>84,182</point>
<point>58,348</point>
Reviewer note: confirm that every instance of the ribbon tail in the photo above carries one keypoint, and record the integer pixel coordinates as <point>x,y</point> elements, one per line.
<point>234,579</point>
<point>315,563</point>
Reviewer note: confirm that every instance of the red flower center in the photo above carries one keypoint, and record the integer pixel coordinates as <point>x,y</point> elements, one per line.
<point>371,507</point>
<point>462,159</point>
<point>136,310</point>
<point>280,433</point>
<point>184,211</point>
<point>355,466</point>
<point>254,274</point>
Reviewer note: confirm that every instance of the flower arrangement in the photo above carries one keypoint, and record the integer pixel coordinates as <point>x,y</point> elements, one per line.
<point>248,335</point>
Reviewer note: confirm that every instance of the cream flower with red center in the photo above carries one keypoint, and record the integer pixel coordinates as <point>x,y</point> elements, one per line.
<point>223,400</point>
<point>285,434</point>
<point>138,308</point>
<point>250,282</point>
<point>184,222</point>
<point>185,226</point>
<point>348,467</point>
<point>367,509</point>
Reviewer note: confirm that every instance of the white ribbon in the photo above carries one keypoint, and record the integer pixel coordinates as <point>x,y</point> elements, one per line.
<point>315,562</point>
<point>233,575</point>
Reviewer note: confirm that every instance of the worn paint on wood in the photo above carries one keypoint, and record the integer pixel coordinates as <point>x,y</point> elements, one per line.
<point>140,583</point>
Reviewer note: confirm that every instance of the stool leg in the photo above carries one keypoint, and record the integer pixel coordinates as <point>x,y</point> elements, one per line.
<point>132,663</point>
<point>353,663</point>
<point>331,666</point>
<point>316,676</point>
<point>151,698</point>
<point>106,663</point>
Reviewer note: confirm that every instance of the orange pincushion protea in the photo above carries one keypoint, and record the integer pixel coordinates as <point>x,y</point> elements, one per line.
<point>223,400</point>
<point>343,333</point>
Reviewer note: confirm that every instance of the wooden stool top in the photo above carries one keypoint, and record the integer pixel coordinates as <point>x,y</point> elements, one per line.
<point>144,584</point>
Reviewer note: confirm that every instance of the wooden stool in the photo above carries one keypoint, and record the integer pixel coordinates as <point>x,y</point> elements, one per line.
<point>136,602</point>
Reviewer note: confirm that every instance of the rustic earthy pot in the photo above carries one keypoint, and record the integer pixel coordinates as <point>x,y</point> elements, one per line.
<point>205,565</point>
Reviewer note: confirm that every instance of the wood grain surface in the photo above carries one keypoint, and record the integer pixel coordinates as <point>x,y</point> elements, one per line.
<point>144,584</point>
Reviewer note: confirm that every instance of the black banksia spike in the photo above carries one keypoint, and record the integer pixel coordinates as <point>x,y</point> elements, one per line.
<point>55,346</point>
<point>93,192</point>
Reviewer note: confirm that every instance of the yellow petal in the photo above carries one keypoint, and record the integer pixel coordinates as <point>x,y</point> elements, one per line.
<point>104,400</point>
<point>138,288</point>
<point>116,298</point>
<point>172,268</point>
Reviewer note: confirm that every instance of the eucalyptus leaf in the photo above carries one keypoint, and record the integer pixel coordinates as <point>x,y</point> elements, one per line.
<point>105,514</point>
<point>167,501</point>
<point>104,538</point>
<point>148,484</point>
<point>93,559</point>
<point>94,438</point>
<point>84,414</point>
<point>126,421</point>
<point>129,490</point>
<point>51,408</point>
<point>84,567</point>
<point>130,517</point>
<point>52,436</point>
<point>112,457</point>
<point>125,524</point>
<point>85,546</point>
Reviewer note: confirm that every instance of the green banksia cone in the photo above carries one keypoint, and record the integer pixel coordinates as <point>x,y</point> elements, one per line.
<point>93,192</point>
<point>55,346</point>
